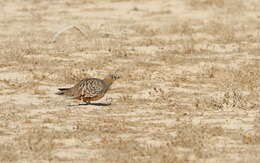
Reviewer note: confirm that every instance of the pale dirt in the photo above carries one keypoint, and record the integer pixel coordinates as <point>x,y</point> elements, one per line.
<point>189,88</point>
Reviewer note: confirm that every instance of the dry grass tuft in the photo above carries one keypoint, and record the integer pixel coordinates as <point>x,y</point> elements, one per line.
<point>232,99</point>
<point>196,137</point>
<point>8,153</point>
<point>251,139</point>
<point>38,143</point>
<point>125,150</point>
<point>230,7</point>
<point>206,3</point>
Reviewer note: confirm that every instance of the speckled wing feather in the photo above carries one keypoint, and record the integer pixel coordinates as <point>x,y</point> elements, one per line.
<point>90,87</point>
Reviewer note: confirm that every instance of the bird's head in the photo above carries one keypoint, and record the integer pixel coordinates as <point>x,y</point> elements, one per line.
<point>111,78</point>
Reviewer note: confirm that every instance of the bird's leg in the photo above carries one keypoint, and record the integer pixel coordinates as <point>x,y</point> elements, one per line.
<point>87,102</point>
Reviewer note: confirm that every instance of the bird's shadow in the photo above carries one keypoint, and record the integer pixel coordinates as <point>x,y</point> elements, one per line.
<point>95,104</point>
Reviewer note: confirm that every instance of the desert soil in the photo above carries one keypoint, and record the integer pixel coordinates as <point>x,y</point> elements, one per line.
<point>189,89</point>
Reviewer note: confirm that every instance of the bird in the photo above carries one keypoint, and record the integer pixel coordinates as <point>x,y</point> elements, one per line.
<point>89,89</point>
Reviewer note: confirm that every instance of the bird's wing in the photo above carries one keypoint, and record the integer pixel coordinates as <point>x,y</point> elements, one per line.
<point>90,87</point>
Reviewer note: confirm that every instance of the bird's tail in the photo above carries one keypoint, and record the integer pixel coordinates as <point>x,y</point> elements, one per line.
<point>62,91</point>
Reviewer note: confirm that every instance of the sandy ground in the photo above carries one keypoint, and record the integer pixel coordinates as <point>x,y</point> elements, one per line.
<point>189,88</point>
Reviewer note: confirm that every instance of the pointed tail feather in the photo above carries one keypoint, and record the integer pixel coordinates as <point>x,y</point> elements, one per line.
<point>62,91</point>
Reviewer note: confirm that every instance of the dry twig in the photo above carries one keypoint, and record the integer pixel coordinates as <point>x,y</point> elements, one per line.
<point>65,29</point>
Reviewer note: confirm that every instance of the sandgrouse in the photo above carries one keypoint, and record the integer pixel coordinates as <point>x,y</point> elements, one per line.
<point>89,89</point>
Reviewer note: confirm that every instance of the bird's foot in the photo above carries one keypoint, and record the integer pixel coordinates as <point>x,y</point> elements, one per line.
<point>109,100</point>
